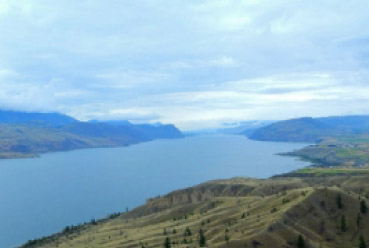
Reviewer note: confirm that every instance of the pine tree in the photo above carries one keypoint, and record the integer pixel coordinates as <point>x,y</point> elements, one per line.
<point>362,243</point>
<point>226,238</point>
<point>363,207</point>
<point>167,243</point>
<point>202,239</point>
<point>187,232</point>
<point>300,242</point>
<point>339,201</point>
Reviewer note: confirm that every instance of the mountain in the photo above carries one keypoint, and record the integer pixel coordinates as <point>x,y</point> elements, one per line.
<point>159,131</point>
<point>318,211</point>
<point>26,141</point>
<point>120,134</point>
<point>245,127</point>
<point>27,134</point>
<point>354,123</point>
<point>36,119</point>
<point>113,122</point>
<point>123,133</point>
<point>304,129</point>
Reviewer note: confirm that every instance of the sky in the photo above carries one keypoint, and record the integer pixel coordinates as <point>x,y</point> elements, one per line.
<point>197,64</point>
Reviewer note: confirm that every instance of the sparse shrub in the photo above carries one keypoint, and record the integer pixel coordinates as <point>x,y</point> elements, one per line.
<point>358,220</point>
<point>343,223</point>
<point>322,227</point>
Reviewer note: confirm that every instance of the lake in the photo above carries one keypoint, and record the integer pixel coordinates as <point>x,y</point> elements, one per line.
<point>40,196</point>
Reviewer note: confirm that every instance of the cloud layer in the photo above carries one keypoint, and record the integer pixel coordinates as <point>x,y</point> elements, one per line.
<point>193,63</point>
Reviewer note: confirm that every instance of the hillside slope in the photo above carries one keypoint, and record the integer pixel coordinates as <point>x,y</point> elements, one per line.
<point>27,134</point>
<point>34,118</point>
<point>26,141</point>
<point>309,129</point>
<point>353,123</point>
<point>236,213</point>
<point>296,130</point>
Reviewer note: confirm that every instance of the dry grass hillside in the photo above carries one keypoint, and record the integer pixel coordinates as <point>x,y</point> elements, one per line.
<point>326,211</point>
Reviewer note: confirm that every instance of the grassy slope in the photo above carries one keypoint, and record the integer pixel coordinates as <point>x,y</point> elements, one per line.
<point>270,212</point>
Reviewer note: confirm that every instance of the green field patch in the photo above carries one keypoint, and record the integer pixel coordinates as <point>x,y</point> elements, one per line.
<point>359,138</point>
<point>334,170</point>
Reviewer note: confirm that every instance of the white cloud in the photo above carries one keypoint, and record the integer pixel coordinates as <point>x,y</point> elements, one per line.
<point>194,63</point>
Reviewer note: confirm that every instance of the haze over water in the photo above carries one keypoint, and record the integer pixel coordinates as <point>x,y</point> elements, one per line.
<point>45,194</point>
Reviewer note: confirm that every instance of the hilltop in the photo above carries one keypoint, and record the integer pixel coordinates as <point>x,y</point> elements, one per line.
<point>327,211</point>
<point>35,119</point>
<point>296,130</point>
<point>309,129</point>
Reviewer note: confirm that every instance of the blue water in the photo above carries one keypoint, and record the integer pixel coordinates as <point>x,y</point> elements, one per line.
<point>41,196</point>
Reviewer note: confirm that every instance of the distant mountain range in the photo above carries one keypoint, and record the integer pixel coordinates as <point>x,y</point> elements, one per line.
<point>35,119</point>
<point>309,129</point>
<point>243,127</point>
<point>24,134</point>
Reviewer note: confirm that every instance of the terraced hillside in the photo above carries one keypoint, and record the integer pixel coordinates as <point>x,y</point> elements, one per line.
<point>280,212</point>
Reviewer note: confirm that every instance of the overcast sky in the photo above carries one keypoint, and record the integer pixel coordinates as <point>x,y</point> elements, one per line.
<point>193,63</point>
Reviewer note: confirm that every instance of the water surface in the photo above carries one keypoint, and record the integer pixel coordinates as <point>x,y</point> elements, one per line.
<point>41,196</point>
